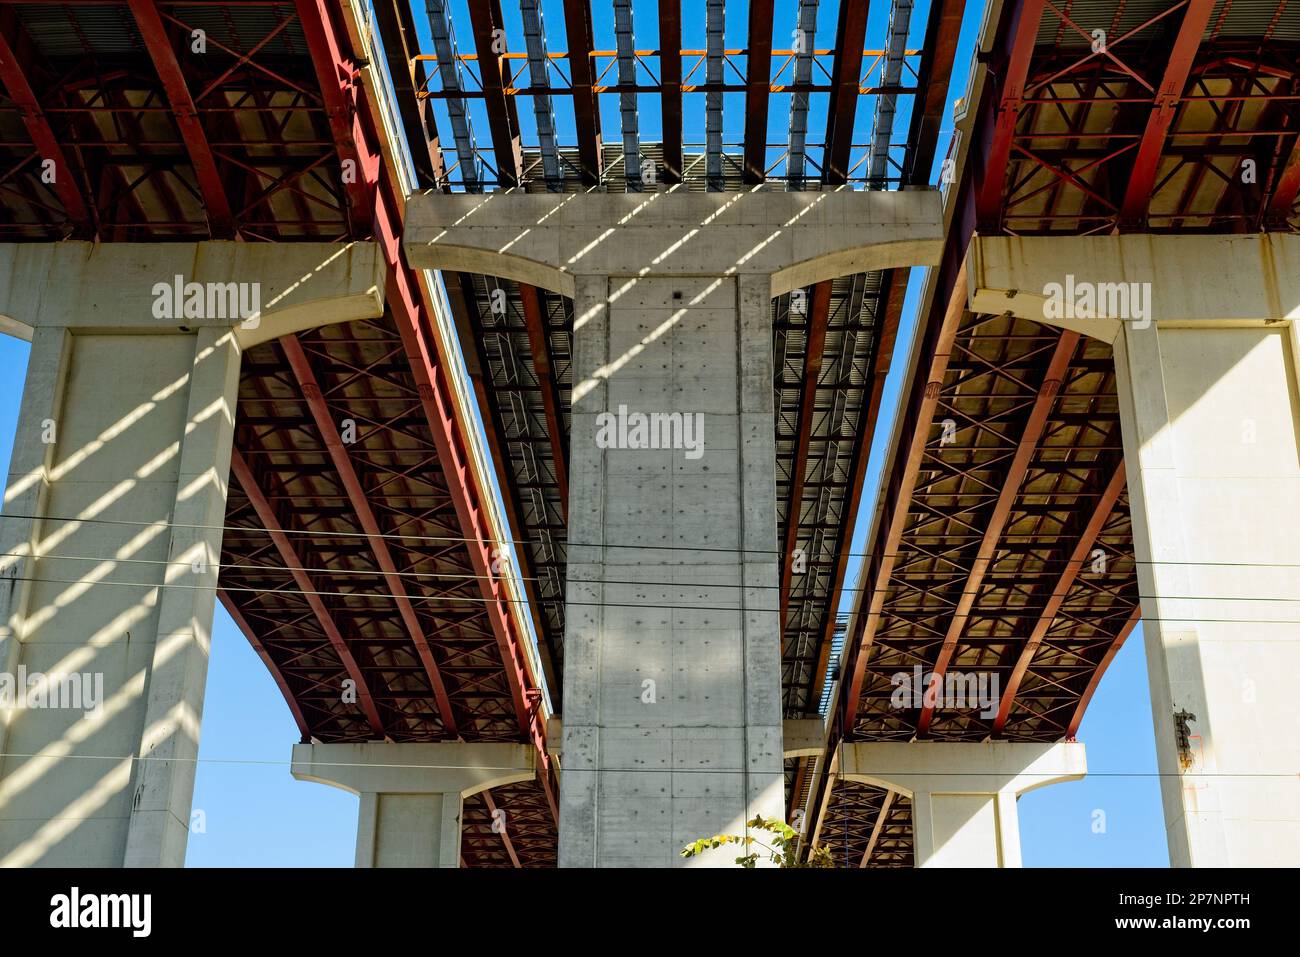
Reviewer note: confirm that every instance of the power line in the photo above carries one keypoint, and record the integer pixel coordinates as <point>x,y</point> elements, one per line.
<point>1122,612</point>
<point>397,536</point>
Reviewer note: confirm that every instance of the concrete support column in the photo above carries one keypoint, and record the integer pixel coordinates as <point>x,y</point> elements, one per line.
<point>1206,372</point>
<point>111,533</point>
<point>1213,441</point>
<point>412,794</point>
<point>963,795</point>
<point>672,649</point>
<point>672,713</point>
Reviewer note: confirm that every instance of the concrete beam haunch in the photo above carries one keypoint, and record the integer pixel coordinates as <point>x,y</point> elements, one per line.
<point>412,794</point>
<point>796,238</point>
<point>963,795</point>
<point>118,286</point>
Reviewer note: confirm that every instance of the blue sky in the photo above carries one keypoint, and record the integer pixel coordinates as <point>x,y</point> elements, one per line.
<point>255,814</point>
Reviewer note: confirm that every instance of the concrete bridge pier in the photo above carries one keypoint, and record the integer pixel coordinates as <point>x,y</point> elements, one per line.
<point>672,673</point>
<point>111,530</point>
<point>963,795</point>
<point>412,794</point>
<point>1204,330</point>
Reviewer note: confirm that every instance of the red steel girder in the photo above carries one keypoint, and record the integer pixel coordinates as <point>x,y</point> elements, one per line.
<point>221,220</point>
<point>997,523</point>
<point>819,309</point>
<point>842,110</point>
<point>988,202</point>
<point>1286,189</point>
<point>1105,504</point>
<point>940,47</point>
<point>503,117</point>
<point>360,503</point>
<point>876,828</point>
<point>405,298</point>
<point>540,346</point>
<point>898,508</point>
<point>295,566</point>
<point>504,828</point>
<point>16,55</point>
<point>401,43</point>
<point>1137,196</point>
<point>336,75</point>
<point>586,109</point>
<point>758,70</point>
<point>670,77</point>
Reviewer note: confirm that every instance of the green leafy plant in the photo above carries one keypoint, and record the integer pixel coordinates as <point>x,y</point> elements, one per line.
<point>782,851</point>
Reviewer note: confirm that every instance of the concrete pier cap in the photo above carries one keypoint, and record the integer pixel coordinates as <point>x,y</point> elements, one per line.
<point>1178,279</point>
<point>414,768</point>
<point>117,287</point>
<point>798,238</point>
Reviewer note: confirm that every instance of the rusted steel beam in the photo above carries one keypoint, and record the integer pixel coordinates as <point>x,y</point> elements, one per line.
<point>1137,196</point>
<point>494,72</point>
<point>877,828</point>
<point>670,77</point>
<point>1101,511</point>
<point>988,202</point>
<point>360,503</point>
<point>1015,477</point>
<point>857,649</point>
<point>758,71</point>
<point>401,44</point>
<point>295,565</point>
<point>336,75</point>
<point>505,829</point>
<point>586,109</point>
<point>940,46</point>
<point>17,55</point>
<point>842,110</point>
<point>216,204</point>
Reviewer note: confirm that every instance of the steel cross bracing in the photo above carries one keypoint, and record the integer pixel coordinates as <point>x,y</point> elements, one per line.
<point>1188,120</point>
<point>111,127</point>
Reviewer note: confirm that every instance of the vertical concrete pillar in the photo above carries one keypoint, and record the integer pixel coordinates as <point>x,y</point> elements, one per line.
<point>1204,336</point>
<point>1212,442</point>
<point>412,794</point>
<point>963,795</point>
<point>672,715</point>
<point>672,649</point>
<point>117,492</point>
<point>111,532</point>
